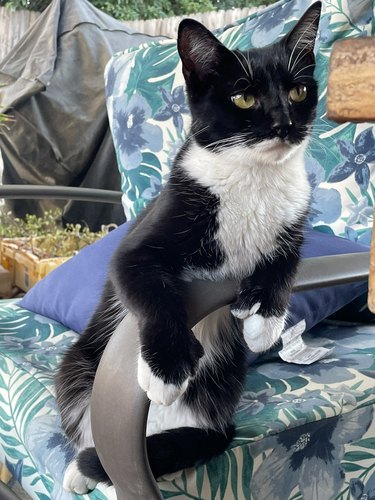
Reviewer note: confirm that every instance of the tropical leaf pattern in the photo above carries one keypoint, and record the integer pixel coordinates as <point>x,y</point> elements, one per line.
<point>340,159</point>
<point>302,432</point>
<point>31,443</point>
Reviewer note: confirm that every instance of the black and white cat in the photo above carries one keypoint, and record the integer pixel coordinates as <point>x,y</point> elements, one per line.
<point>234,207</point>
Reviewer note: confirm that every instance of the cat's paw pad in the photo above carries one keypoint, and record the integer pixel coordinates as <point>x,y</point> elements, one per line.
<point>245,313</point>
<point>261,333</point>
<point>75,482</point>
<point>157,390</point>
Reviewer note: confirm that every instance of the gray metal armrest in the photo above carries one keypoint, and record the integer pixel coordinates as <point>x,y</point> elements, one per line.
<point>120,407</point>
<point>21,191</point>
<point>6,493</point>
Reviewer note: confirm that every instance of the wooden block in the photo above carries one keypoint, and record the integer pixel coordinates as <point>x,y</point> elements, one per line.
<point>5,475</point>
<point>5,283</point>
<point>351,82</point>
<point>371,277</point>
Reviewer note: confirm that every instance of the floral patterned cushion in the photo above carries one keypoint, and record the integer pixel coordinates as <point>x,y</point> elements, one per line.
<point>302,432</point>
<point>31,443</point>
<point>149,117</point>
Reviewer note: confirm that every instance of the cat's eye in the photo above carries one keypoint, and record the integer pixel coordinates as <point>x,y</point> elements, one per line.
<point>298,93</point>
<point>243,101</point>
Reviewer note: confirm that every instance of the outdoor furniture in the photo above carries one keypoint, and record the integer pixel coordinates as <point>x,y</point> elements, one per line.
<point>300,430</point>
<point>126,457</point>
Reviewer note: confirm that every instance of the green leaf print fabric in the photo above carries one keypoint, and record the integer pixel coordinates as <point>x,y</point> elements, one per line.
<point>31,443</point>
<point>148,114</point>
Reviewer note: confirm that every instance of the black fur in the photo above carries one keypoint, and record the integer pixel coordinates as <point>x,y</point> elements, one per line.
<point>272,279</point>
<point>270,84</point>
<point>90,466</point>
<point>168,452</point>
<point>176,234</point>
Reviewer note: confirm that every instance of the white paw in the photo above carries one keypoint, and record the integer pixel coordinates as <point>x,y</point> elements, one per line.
<point>75,481</point>
<point>158,391</point>
<point>110,493</point>
<point>262,333</point>
<point>245,313</point>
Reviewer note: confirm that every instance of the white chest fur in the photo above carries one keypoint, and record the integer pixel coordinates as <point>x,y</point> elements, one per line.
<point>259,196</point>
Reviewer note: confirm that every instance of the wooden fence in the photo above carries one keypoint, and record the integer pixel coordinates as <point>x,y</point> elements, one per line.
<point>14,24</point>
<point>168,26</point>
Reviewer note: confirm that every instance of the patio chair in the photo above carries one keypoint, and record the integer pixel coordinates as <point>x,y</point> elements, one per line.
<point>300,430</point>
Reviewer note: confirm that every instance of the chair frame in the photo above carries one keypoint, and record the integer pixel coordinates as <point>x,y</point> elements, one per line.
<point>123,453</point>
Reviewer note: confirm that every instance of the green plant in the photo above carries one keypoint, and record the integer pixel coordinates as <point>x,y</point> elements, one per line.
<point>144,9</point>
<point>32,225</point>
<point>4,119</point>
<point>45,236</point>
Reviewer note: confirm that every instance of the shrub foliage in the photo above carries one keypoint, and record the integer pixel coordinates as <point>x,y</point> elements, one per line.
<point>144,9</point>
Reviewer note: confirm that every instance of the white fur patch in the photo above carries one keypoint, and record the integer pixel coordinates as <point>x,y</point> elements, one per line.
<point>262,333</point>
<point>245,313</point>
<point>86,440</point>
<point>157,390</point>
<point>110,493</point>
<point>262,190</point>
<point>162,418</point>
<point>75,481</point>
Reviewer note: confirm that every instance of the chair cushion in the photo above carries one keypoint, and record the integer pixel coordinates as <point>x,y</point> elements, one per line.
<point>145,89</point>
<point>306,431</point>
<point>70,293</point>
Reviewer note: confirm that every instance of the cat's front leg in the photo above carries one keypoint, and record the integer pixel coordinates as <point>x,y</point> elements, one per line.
<point>168,360</point>
<point>154,293</point>
<point>263,298</point>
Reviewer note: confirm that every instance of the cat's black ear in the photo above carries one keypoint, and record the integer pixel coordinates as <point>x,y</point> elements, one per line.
<point>199,49</point>
<point>301,39</point>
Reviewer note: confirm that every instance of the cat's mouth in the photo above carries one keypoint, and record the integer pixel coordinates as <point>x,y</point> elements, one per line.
<point>275,143</point>
<point>276,150</point>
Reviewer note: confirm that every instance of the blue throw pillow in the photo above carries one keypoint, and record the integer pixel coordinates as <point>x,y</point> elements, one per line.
<point>315,305</point>
<point>70,293</point>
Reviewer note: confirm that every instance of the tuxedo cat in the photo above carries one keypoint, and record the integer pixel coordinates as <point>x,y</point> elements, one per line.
<point>234,207</point>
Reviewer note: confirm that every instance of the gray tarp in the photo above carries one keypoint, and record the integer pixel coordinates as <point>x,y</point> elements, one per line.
<point>52,85</point>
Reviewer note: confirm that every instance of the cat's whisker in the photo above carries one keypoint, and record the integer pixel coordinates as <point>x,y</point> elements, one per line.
<point>229,139</point>
<point>303,77</point>
<point>220,147</point>
<point>249,65</point>
<point>243,67</point>
<point>227,142</point>
<point>239,79</point>
<point>198,132</point>
<point>320,129</point>
<point>320,145</point>
<point>303,69</point>
<point>307,31</point>
<point>300,55</point>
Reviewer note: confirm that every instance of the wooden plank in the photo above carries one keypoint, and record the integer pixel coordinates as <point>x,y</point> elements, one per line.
<point>371,277</point>
<point>5,475</point>
<point>14,24</point>
<point>351,84</point>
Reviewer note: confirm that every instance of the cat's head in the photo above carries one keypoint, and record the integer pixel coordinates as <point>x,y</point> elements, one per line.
<point>263,99</point>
